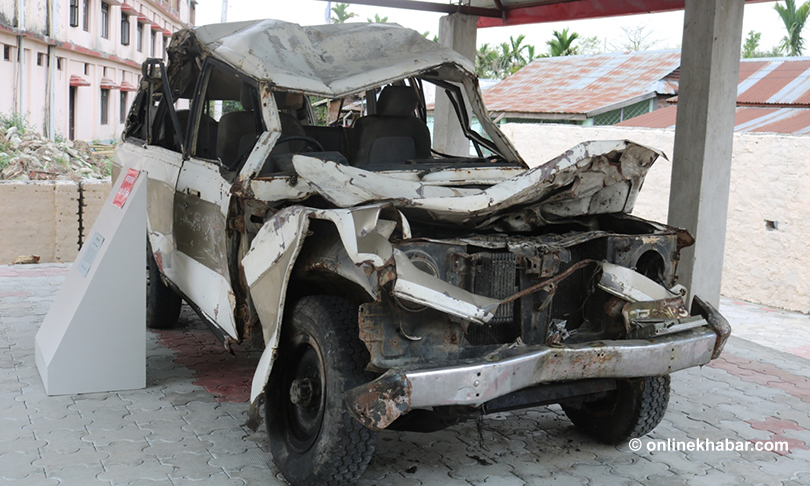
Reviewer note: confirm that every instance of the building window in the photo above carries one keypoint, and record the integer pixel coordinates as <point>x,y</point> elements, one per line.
<point>59,63</point>
<point>105,20</point>
<point>622,114</point>
<point>86,16</point>
<point>123,109</point>
<point>124,29</point>
<point>105,106</point>
<point>74,13</point>
<point>87,69</point>
<point>42,59</point>
<point>139,37</point>
<point>154,42</point>
<point>6,52</point>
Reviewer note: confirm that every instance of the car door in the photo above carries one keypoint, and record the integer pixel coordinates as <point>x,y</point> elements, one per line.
<point>152,145</point>
<point>223,130</point>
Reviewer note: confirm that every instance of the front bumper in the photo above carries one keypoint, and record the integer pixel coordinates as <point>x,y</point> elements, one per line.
<point>379,403</point>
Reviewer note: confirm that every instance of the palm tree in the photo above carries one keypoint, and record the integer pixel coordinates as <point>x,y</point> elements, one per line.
<point>794,23</point>
<point>530,54</point>
<point>562,43</point>
<point>378,20</point>
<point>505,59</point>
<point>340,13</point>
<point>517,49</point>
<point>486,61</point>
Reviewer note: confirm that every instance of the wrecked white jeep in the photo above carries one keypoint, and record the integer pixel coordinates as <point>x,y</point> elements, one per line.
<point>297,202</point>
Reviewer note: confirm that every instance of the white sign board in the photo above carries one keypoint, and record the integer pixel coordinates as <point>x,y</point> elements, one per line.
<point>93,338</point>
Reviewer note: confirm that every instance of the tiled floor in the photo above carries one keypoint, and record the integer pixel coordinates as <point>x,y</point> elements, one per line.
<point>186,426</point>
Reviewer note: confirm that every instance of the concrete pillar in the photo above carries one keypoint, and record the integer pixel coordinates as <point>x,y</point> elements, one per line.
<point>701,167</point>
<point>458,32</point>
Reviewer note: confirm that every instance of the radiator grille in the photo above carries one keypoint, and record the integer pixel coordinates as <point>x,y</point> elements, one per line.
<point>495,276</point>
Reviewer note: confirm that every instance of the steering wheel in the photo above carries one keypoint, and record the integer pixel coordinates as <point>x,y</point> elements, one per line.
<point>312,145</point>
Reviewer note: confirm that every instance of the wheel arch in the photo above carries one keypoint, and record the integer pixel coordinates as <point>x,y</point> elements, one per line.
<point>283,262</point>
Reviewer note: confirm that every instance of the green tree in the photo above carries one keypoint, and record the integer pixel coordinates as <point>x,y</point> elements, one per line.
<point>562,43</point>
<point>378,20</point>
<point>751,44</point>
<point>515,54</point>
<point>486,60</point>
<point>504,59</point>
<point>340,13</point>
<point>794,20</point>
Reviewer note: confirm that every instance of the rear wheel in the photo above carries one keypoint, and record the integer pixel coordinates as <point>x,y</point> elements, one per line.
<point>634,409</point>
<point>313,438</point>
<point>162,304</point>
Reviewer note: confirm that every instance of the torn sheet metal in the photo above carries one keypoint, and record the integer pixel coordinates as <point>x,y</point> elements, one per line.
<point>633,286</point>
<point>658,317</point>
<point>267,266</point>
<point>580,174</point>
<point>716,321</point>
<point>419,287</point>
<point>377,406</point>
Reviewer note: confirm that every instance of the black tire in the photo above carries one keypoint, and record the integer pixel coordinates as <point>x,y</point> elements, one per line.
<point>315,441</point>
<point>633,410</point>
<point>162,304</point>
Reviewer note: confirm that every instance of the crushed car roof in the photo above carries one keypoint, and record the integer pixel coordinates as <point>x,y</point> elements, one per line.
<point>330,60</point>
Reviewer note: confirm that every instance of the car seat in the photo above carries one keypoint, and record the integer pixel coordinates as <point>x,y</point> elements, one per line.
<point>238,131</point>
<point>394,134</point>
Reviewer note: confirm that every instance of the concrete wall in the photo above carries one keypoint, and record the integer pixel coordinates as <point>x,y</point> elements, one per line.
<point>42,218</point>
<point>770,181</point>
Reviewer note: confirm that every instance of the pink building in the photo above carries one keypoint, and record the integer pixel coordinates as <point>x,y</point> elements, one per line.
<point>73,66</point>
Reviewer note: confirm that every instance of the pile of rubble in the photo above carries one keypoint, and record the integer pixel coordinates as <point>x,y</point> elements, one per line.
<point>30,156</point>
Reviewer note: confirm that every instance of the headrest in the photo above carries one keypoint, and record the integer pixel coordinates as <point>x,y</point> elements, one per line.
<point>288,101</point>
<point>246,97</point>
<point>397,101</point>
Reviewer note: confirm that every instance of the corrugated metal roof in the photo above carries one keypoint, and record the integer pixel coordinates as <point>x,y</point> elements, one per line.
<point>773,95</point>
<point>584,85</point>
<point>746,119</point>
<point>783,81</point>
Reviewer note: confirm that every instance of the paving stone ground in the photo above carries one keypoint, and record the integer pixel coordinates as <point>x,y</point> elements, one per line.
<point>186,426</point>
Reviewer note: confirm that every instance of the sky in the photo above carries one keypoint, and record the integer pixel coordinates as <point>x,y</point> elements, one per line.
<point>666,28</point>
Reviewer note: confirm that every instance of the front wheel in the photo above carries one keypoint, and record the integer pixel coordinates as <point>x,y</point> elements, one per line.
<point>633,410</point>
<point>313,437</point>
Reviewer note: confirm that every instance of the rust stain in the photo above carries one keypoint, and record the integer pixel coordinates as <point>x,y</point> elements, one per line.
<point>159,260</point>
<point>378,404</point>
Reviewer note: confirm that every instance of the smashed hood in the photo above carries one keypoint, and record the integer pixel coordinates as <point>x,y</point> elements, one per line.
<point>591,178</point>
<point>330,60</point>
